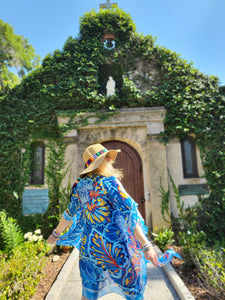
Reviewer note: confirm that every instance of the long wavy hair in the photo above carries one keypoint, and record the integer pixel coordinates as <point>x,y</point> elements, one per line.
<point>107,171</point>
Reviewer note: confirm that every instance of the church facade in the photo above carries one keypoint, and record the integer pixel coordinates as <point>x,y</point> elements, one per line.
<point>148,164</point>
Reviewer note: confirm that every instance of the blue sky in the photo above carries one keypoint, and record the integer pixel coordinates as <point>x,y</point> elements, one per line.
<point>193,28</point>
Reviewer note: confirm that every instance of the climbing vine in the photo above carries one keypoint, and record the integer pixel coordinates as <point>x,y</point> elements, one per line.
<point>68,81</point>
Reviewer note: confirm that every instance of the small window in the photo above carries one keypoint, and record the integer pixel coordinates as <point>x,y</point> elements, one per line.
<point>189,158</point>
<point>38,164</point>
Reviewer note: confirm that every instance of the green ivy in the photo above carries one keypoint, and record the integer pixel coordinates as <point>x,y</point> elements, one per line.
<point>56,171</point>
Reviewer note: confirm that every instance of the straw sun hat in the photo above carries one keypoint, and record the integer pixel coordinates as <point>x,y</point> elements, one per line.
<point>94,155</point>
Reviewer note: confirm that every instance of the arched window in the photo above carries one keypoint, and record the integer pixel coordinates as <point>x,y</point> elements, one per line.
<point>38,163</point>
<point>189,159</point>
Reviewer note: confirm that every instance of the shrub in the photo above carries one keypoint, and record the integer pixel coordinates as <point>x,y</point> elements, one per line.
<point>20,274</point>
<point>10,233</point>
<point>211,266</point>
<point>164,238</point>
<point>191,240</point>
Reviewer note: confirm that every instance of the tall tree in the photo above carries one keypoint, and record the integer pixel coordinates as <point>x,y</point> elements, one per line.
<point>15,51</point>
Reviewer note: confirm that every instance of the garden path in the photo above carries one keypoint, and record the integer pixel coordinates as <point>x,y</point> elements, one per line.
<point>163,283</point>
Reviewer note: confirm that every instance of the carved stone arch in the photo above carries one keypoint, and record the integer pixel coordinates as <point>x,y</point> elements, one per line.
<point>130,162</point>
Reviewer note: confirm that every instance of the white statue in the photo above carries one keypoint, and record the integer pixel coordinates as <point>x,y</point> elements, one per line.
<point>110,87</point>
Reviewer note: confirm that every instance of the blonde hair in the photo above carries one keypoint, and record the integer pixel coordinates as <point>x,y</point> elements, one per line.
<point>108,170</point>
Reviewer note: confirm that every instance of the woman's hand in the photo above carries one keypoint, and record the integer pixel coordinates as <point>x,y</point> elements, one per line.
<point>152,256</point>
<point>52,239</point>
<point>63,224</point>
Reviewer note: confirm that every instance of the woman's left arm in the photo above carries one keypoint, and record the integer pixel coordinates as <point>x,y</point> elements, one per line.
<point>150,253</point>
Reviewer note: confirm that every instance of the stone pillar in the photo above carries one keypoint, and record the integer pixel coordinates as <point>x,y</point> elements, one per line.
<point>158,172</point>
<point>71,158</point>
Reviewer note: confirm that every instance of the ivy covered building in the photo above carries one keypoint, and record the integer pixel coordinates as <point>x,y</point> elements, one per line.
<point>161,112</point>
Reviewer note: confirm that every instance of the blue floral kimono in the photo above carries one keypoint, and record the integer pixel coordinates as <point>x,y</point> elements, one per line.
<point>104,218</point>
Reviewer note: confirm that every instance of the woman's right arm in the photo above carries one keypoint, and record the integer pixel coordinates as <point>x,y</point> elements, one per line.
<point>149,253</point>
<point>63,224</point>
<point>67,216</point>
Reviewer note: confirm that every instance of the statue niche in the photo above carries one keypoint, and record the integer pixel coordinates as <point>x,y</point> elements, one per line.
<point>110,87</point>
<point>110,79</point>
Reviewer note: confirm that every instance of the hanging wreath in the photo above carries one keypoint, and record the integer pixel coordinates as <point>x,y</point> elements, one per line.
<point>109,44</point>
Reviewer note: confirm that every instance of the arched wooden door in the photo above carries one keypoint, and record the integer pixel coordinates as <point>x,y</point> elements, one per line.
<point>130,162</point>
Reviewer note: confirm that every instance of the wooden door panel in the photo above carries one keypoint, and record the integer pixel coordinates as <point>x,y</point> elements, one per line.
<point>130,162</point>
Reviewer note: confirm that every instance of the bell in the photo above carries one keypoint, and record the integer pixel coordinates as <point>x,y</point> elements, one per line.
<point>109,36</point>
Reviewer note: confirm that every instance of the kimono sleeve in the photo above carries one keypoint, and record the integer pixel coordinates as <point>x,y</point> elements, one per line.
<point>123,201</point>
<point>73,205</point>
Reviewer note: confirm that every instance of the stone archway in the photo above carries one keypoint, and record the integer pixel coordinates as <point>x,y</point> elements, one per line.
<point>130,162</point>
